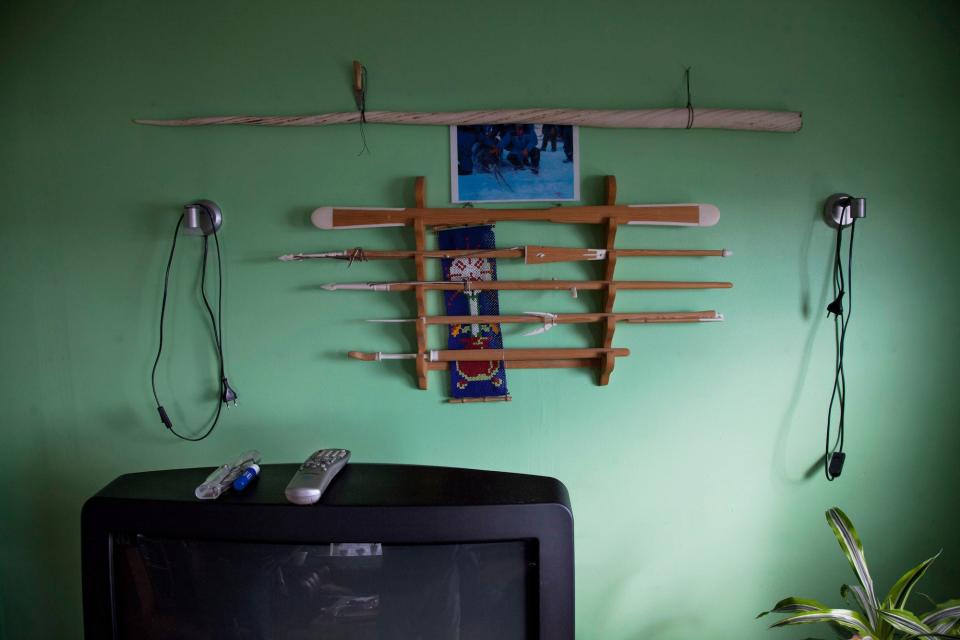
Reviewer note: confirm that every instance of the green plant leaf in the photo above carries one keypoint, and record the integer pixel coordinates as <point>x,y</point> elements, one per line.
<point>947,612</point>
<point>900,592</point>
<point>904,621</point>
<point>853,549</point>
<point>861,598</point>
<point>944,628</point>
<point>943,631</point>
<point>793,605</point>
<point>843,617</point>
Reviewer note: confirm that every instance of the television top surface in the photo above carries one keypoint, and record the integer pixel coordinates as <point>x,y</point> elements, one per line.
<point>357,485</point>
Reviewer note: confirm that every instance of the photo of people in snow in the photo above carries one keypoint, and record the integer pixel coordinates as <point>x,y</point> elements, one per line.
<point>514,162</point>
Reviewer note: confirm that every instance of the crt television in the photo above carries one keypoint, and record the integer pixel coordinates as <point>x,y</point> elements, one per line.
<point>390,552</point>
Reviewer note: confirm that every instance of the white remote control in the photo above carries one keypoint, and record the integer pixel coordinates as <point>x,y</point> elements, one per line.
<point>313,476</point>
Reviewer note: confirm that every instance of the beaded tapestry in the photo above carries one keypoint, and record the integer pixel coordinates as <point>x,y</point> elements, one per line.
<point>482,378</point>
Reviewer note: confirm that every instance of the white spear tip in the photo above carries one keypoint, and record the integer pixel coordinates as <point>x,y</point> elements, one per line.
<point>322,217</point>
<point>727,253</point>
<point>287,258</point>
<point>329,287</point>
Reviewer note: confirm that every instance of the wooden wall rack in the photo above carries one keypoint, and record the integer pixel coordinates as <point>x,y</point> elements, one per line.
<point>611,215</point>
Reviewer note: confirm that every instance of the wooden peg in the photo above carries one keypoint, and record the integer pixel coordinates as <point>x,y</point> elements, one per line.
<point>420,192</point>
<point>610,190</point>
<point>357,77</point>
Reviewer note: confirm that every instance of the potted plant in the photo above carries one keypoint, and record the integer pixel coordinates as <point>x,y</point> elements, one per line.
<point>876,619</point>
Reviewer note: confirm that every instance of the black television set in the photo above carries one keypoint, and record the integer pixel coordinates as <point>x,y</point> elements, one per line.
<point>389,552</point>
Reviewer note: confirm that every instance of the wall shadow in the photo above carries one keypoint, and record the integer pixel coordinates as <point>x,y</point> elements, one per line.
<point>779,464</point>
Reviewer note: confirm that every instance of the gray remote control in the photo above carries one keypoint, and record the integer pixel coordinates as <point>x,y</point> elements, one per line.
<point>313,476</point>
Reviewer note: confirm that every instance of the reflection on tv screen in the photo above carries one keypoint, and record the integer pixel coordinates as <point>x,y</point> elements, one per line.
<point>205,590</point>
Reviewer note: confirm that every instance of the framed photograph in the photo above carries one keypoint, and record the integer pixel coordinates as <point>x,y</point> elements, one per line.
<point>514,163</point>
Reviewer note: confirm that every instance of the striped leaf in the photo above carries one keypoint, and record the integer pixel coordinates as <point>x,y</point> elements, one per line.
<point>948,612</point>
<point>865,605</point>
<point>843,617</point>
<point>853,549</point>
<point>897,598</point>
<point>944,628</point>
<point>903,620</point>
<point>794,605</point>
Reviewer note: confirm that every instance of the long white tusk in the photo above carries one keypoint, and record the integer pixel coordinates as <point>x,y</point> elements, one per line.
<point>549,322</point>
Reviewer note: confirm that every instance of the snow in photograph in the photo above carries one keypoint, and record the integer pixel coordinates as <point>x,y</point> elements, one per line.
<point>514,163</point>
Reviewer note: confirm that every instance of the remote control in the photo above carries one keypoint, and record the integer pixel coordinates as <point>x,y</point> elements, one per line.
<point>313,476</point>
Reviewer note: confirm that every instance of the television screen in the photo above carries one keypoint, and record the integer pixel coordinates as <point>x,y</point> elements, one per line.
<point>205,590</point>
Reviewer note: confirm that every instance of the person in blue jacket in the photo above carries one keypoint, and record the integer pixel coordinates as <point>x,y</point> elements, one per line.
<point>466,138</point>
<point>520,145</point>
<point>486,150</point>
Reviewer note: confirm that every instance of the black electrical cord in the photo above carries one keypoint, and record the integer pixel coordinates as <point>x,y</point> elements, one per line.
<point>226,394</point>
<point>834,455</point>
<point>163,311</point>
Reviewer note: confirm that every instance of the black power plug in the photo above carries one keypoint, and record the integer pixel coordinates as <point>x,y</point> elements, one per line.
<point>836,307</point>
<point>228,395</point>
<point>836,463</point>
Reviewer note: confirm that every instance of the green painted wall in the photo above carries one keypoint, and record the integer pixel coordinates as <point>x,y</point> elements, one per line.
<point>686,473</point>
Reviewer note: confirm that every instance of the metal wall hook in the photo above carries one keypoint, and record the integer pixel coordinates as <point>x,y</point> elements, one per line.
<point>840,209</point>
<point>197,217</point>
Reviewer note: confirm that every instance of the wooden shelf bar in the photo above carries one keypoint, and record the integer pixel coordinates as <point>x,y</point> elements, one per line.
<point>567,363</point>
<point>644,317</point>
<point>419,232</point>
<point>531,285</point>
